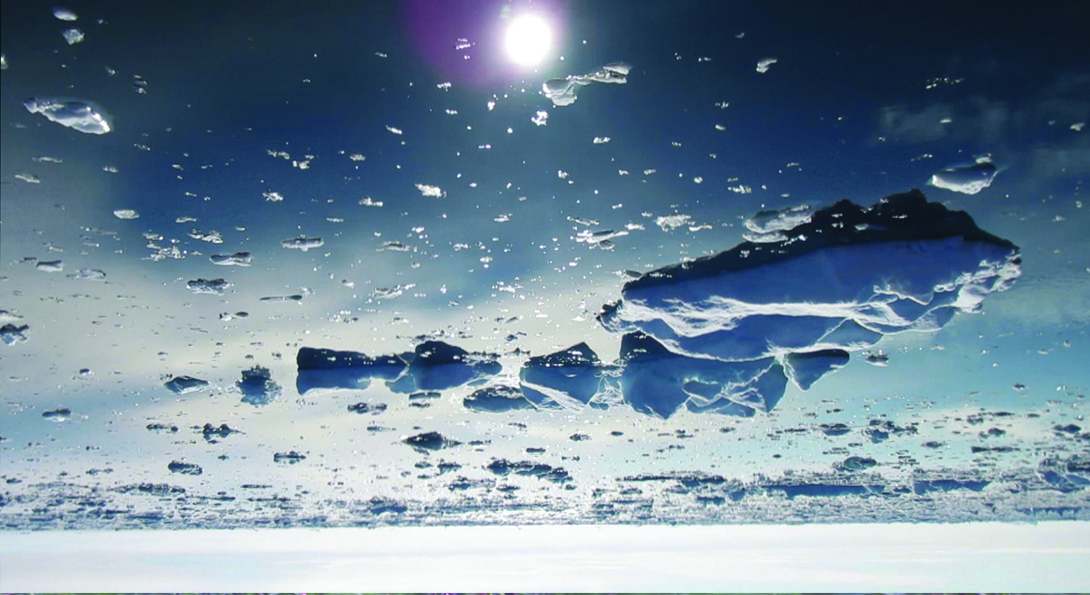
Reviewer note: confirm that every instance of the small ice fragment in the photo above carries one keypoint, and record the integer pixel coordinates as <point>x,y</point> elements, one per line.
<point>212,237</point>
<point>257,386</point>
<point>58,415</point>
<point>28,178</point>
<point>126,214</point>
<point>213,286</point>
<point>11,334</point>
<point>87,274</point>
<point>302,243</point>
<point>288,457</point>
<point>762,65</point>
<point>430,191</point>
<point>541,119</point>
<point>367,202</point>
<point>562,91</point>
<point>73,113</point>
<point>601,140</point>
<point>241,259</point>
<point>966,179</point>
<point>394,130</point>
<point>273,196</point>
<point>3,62</point>
<point>394,246</point>
<point>185,468</point>
<point>671,222</point>
<point>64,14</point>
<point>186,384</point>
<point>1077,126</point>
<point>50,266</point>
<point>72,36</point>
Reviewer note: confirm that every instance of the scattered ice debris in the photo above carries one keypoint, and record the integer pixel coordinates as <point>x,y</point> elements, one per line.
<point>541,118</point>
<point>50,266</point>
<point>212,237</point>
<point>186,384</point>
<point>290,457</point>
<point>362,408</point>
<point>503,467</point>
<point>185,468</point>
<point>430,191</point>
<point>162,428</point>
<point>58,415</point>
<point>28,178</point>
<point>764,63</point>
<point>303,243</point>
<point>64,14</point>
<point>430,442</point>
<point>497,398</point>
<point>87,274</point>
<point>126,214</point>
<point>257,386</point>
<point>562,91</point>
<point>241,259</point>
<point>213,286</point>
<point>966,179</point>
<point>732,327</point>
<point>74,113</point>
<point>72,36</point>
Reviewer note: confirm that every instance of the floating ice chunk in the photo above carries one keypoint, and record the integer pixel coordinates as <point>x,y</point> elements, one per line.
<point>362,408</point>
<point>966,179</point>
<point>541,119</point>
<point>50,266</point>
<point>597,237</point>
<point>77,114</point>
<point>64,14</point>
<point>126,214</point>
<point>87,274</point>
<point>58,415</point>
<point>436,365</point>
<point>257,386</point>
<point>283,298</point>
<point>1078,126</point>
<point>186,384</point>
<point>211,432</point>
<point>331,369</point>
<point>11,334</point>
<point>271,196</point>
<point>672,222</point>
<point>303,243</point>
<point>569,378</point>
<point>241,259</point>
<point>765,222</point>
<point>430,442</point>
<point>212,237</point>
<point>290,457</point>
<point>601,140</point>
<point>503,467</point>
<point>367,202</point>
<point>806,368</point>
<point>72,36</point>
<point>28,178</point>
<point>562,91</point>
<point>497,399</point>
<point>213,286</point>
<point>840,282</point>
<point>394,246</point>
<point>185,468</point>
<point>3,62</point>
<point>430,191</point>
<point>764,63</point>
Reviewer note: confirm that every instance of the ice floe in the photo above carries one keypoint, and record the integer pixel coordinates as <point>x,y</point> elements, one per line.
<point>76,114</point>
<point>562,91</point>
<point>966,178</point>
<point>303,243</point>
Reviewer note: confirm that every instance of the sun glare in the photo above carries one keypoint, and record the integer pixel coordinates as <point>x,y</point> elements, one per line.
<point>528,39</point>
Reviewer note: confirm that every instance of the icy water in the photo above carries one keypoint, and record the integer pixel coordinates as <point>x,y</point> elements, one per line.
<point>636,263</point>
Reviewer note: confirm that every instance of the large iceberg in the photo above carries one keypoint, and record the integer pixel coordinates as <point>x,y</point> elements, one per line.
<point>725,332</point>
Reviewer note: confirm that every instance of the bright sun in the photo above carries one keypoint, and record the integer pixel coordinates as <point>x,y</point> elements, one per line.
<point>528,39</point>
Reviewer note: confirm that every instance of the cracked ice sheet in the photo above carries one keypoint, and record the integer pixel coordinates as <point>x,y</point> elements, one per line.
<point>901,265</point>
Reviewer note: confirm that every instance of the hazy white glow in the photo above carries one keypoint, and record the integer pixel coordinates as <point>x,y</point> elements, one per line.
<point>528,39</point>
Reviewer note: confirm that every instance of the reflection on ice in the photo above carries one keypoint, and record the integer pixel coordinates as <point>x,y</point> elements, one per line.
<point>74,113</point>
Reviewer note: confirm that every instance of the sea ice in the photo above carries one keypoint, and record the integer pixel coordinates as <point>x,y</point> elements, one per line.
<point>569,378</point>
<point>562,91</point>
<point>836,283</point>
<point>435,365</point>
<point>77,114</point>
<point>966,178</point>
